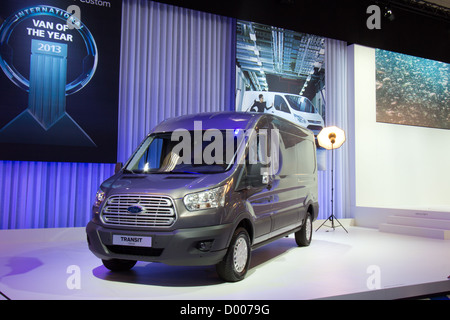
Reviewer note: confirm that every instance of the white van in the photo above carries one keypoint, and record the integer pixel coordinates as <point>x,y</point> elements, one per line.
<point>292,107</point>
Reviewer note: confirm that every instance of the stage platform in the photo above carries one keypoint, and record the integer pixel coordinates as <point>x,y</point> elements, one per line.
<point>55,264</point>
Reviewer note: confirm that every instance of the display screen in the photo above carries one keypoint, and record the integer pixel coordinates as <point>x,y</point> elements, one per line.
<point>412,91</point>
<point>59,80</point>
<point>281,72</point>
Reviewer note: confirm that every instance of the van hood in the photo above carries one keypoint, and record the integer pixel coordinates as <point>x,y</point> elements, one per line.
<point>173,185</point>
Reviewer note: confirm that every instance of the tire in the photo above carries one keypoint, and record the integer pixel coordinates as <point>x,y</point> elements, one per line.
<point>234,265</point>
<point>118,264</point>
<point>304,235</point>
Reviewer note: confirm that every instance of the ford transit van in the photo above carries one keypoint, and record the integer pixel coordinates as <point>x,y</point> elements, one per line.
<point>292,107</point>
<point>207,189</point>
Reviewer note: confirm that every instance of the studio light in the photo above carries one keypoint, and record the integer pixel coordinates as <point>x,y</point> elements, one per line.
<point>331,138</point>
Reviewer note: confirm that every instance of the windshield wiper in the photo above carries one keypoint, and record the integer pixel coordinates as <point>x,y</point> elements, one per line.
<point>166,172</point>
<point>188,172</point>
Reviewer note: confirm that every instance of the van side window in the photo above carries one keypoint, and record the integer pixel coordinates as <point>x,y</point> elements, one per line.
<point>260,147</point>
<point>263,145</point>
<point>306,157</point>
<point>294,146</point>
<point>280,104</point>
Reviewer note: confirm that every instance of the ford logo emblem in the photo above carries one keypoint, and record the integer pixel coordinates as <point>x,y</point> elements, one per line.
<point>135,209</point>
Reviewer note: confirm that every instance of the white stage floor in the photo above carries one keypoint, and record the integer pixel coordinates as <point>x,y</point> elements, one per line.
<point>363,264</point>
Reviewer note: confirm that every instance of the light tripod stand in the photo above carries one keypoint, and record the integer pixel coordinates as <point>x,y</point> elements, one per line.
<point>331,138</point>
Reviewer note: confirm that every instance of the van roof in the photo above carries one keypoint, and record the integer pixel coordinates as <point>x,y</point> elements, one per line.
<point>210,120</point>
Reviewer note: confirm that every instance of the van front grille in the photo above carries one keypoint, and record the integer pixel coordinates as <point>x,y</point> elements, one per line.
<point>139,210</point>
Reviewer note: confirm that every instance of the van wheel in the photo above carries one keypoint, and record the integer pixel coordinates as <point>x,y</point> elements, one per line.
<point>235,264</point>
<point>304,235</point>
<point>119,264</point>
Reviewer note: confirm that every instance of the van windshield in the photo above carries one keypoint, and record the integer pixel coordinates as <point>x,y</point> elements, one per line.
<point>182,151</point>
<point>300,103</point>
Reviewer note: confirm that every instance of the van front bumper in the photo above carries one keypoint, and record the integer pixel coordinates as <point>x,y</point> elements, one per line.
<point>188,247</point>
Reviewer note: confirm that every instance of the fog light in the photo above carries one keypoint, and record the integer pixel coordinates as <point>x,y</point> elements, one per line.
<point>204,245</point>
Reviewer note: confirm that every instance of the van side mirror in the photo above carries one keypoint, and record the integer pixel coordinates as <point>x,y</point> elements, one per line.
<point>118,167</point>
<point>254,176</point>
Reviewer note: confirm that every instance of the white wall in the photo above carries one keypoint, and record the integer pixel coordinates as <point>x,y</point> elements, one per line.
<point>396,166</point>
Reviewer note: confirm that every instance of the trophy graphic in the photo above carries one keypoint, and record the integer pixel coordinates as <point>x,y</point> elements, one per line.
<point>45,120</point>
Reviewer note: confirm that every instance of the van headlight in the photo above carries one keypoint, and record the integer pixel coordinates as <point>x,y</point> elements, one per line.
<point>99,198</point>
<point>207,199</point>
<point>300,119</point>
